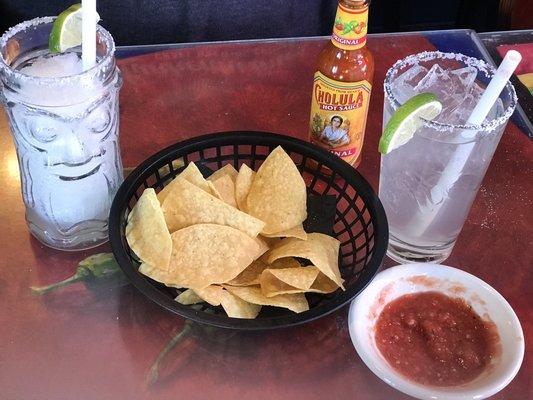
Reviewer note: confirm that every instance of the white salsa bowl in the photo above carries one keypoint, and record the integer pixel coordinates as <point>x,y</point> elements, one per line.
<point>485,301</point>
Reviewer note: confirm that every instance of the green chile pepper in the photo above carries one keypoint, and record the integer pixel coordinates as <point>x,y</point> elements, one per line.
<point>97,272</point>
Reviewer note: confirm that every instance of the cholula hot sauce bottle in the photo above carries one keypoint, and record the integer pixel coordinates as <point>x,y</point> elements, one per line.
<point>342,85</point>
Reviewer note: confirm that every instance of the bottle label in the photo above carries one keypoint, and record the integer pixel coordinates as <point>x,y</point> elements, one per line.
<point>338,115</point>
<point>349,30</point>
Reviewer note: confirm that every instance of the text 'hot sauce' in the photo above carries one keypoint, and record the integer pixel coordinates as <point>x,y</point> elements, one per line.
<point>342,85</point>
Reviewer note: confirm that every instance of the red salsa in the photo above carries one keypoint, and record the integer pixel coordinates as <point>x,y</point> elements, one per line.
<point>434,339</point>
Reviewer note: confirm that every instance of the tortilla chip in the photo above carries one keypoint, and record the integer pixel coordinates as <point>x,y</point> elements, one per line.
<point>205,254</point>
<point>188,205</point>
<point>322,250</point>
<point>147,233</point>
<point>286,262</point>
<point>250,276</point>
<point>271,242</point>
<point>214,190</point>
<point>278,194</point>
<point>263,245</point>
<point>226,189</point>
<point>236,307</point>
<point>189,297</point>
<point>252,294</point>
<point>226,170</point>
<point>191,174</point>
<point>211,294</point>
<point>297,232</point>
<point>243,182</point>
<point>158,274</point>
<point>287,280</point>
<point>323,284</point>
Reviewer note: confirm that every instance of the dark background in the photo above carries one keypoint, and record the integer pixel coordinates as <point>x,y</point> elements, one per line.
<point>175,21</point>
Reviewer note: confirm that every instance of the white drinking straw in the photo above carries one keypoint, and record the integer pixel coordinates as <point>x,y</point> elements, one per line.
<point>419,224</point>
<point>88,34</point>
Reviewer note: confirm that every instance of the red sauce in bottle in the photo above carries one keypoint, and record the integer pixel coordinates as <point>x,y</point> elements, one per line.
<point>434,339</point>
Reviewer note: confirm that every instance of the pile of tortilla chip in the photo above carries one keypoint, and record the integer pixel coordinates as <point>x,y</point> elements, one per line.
<point>235,239</point>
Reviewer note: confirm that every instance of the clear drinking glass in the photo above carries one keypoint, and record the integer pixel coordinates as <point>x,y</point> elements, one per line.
<point>64,124</point>
<point>427,186</point>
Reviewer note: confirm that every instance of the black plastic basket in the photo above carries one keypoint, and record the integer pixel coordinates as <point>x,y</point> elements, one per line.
<point>340,202</point>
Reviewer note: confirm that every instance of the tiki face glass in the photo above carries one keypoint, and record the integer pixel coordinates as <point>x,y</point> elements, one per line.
<point>64,123</point>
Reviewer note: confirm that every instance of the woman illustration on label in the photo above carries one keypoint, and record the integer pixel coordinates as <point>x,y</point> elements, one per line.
<point>333,135</point>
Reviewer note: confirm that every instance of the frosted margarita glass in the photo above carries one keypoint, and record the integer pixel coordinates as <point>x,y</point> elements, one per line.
<point>64,124</point>
<point>424,223</point>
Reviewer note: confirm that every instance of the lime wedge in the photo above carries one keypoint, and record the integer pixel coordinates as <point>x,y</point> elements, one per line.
<point>66,31</point>
<point>407,119</point>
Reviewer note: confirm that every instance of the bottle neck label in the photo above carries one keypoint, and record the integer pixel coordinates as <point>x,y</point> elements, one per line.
<point>349,30</point>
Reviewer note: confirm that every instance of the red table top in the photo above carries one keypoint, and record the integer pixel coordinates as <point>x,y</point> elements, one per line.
<point>76,344</point>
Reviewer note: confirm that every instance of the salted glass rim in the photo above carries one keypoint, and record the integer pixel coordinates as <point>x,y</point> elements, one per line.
<point>5,68</point>
<point>480,65</point>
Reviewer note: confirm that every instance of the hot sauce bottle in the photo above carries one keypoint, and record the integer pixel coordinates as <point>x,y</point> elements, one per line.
<point>342,85</point>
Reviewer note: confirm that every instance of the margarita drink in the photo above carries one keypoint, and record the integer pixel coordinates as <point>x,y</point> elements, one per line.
<point>64,123</point>
<point>424,217</point>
